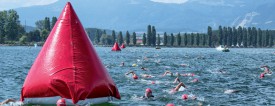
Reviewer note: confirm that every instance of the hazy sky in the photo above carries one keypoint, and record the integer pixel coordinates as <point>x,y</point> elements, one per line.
<point>10,4</point>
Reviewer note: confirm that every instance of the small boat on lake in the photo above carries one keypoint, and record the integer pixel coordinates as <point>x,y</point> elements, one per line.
<point>222,48</point>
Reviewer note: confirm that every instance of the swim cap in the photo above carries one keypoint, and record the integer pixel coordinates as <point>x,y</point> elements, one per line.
<point>192,74</point>
<point>135,77</point>
<point>184,96</point>
<point>262,75</point>
<point>61,102</point>
<point>170,104</point>
<point>148,90</point>
<point>153,82</point>
<point>195,80</point>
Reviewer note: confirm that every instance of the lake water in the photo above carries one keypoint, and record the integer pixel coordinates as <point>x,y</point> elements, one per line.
<point>240,71</point>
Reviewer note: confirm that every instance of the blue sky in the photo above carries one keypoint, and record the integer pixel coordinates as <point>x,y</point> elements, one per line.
<point>11,4</point>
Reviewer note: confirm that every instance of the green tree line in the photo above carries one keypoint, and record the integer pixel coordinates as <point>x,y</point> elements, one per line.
<point>229,36</point>
<point>12,32</point>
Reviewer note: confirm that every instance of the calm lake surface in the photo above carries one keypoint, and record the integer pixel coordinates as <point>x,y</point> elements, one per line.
<point>240,71</point>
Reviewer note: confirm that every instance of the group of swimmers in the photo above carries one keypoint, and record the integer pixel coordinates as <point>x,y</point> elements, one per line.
<point>149,93</point>
<point>180,85</point>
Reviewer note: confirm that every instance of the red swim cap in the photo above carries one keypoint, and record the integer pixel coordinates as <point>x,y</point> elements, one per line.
<point>61,102</point>
<point>262,75</point>
<point>184,96</point>
<point>170,104</point>
<point>148,90</point>
<point>153,82</point>
<point>135,77</point>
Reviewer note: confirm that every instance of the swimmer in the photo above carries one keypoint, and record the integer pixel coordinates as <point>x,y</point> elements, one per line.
<point>122,64</point>
<point>178,86</point>
<point>169,72</point>
<point>135,76</point>
<point>195,80</point>
<point>10,101</point>
<point>177,80</point>
<point>229,91</point>
<point>148,94</point>
<point>144,69</point>
<point>266,69</point>
<point>146,76</point>
<point>133,73</point>
<point>61,102</point>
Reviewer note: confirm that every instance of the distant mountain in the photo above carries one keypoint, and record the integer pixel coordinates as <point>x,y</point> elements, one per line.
<point>29,28</point>
<point>135,15</point>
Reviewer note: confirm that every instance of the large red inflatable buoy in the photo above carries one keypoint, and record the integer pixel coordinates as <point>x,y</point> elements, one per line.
<point>68,67</point>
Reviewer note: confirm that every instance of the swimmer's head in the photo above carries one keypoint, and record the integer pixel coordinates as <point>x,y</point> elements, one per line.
<point>177,74</point>
<point>61,102</point>
<point>148,93</point>
<point>184,96</point>
<point>135,76</point>
<point>262,75</point>
<point>195,80</point>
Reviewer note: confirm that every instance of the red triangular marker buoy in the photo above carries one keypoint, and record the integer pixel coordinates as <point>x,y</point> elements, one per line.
<point>116,47</point>
<point>122,46</point>
<point>68,67</point>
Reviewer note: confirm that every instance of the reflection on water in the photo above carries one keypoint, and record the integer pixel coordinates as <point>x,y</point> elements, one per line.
<point>217,72</point>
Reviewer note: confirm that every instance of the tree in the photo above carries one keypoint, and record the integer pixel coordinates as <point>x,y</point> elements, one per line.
<point>204,40</point>
<point>12,25</point>
<point>120,38</point>
<point>113,36</point>
<point>192,39</point>
<point>254,36</point>
<point>47,25</point>
<point>185,39</point>
<point>154,34</point>
<point>44,34</point>
<point>234,37</point>
<point>244,37</point>
<point>127,38</point>
<point>165,39</point>
<point>158,40</point>
<point>54,19</point>
<point>240,36</point>
<point>172,39</point>
<point>97,37</point>
<point>220,35</point>
<point>23,39</point>
<point>3,19</point>
<point>178,39</point>
<point>259,37</point>
<point>134,38</point>
<point>249,36</point>
<point>271,40</point>
<point>149,35</point>
<point>225,35</point>
<point>144,39</point>
<point>39,24</point>
<point>229,37</point>
<point>197,39</point>
<point>209,33</point>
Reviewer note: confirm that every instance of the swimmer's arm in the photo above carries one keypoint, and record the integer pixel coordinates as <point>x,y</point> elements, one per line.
<point>167,72</point>
<point>7,101</point>
<point>132,72</point>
